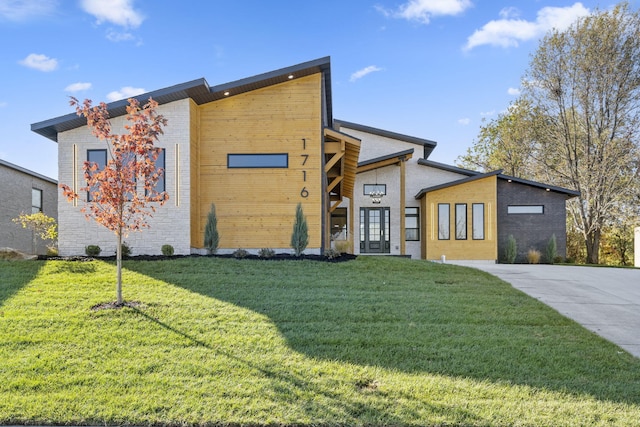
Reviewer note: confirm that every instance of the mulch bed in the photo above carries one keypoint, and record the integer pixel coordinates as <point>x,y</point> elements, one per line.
<point>276,257</point>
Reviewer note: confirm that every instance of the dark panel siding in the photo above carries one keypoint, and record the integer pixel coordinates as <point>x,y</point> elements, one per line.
<point>531,231</point>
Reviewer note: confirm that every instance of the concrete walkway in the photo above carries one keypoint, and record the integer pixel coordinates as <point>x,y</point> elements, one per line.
<point>603,300</point>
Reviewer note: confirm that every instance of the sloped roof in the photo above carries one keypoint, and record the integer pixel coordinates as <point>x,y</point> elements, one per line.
<point>201,93</point>
<point>383,161</point>
<point>424,191</point>
<point>555,189</point>
<point>27,171</point>
<point>426,143</point>
<point>448,168</point>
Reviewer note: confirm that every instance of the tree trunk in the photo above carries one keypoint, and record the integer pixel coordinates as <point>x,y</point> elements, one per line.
<point>592,243</point>
<point>119,270</point>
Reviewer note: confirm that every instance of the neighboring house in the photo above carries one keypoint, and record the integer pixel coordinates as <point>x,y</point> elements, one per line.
<point>27,192</point>
<point>258,146</point>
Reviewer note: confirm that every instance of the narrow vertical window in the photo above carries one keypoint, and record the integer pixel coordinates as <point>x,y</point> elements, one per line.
<point>443,221</point>
<point>478,221</point>
<point>461,221</point>
<point>36,200</point>
<point>98,157</point>
<point>412,224</point>
<point>160,164</point>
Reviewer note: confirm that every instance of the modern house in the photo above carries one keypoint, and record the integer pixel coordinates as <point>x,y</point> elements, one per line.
<point>257,147</point>
<point>28,192</point>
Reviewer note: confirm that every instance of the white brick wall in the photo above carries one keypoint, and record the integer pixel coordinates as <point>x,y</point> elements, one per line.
<point>170,223</point>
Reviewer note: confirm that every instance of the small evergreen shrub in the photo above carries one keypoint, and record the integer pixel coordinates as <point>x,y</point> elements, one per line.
<point>126,250</point>
<point>240,253</point>
<point>558,259</point>
<point>266,253</point>
<point>300,234</point>
<point>533,256</point>
<point>511,250</point>
<point>332,253</point>
<point>552,249</point>
<point>92,250</point>
<point>167,250</point>
<point>211,235</point>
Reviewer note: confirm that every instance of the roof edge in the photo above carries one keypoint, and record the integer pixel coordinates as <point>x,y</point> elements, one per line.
<point>457,182</point>
<point>27,171</point>
<point>385,133</point>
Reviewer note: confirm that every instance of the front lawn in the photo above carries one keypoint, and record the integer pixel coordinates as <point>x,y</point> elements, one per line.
<point>375,341</point>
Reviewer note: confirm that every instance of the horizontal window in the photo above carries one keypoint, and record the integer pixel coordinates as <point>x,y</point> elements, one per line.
<point>280,160</point>
<point>523,209</point>
<point>379,188</point>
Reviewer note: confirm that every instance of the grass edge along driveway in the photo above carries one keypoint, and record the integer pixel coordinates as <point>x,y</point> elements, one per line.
<point>375,341</point>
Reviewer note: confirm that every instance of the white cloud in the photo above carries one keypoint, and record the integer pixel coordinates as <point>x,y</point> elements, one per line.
<point>487,113</point>
<point>125,93</point>
<point>361,73</point>
<point>117,12</point>
<point>464,121</point>
<point>77,87</point>
<point>22,10</point>
<point>509,32</point>
<point>423,10</point>
<point>117,36</point>
<point>513,91</point>
<point>40,62</point>
<point>3,104</point>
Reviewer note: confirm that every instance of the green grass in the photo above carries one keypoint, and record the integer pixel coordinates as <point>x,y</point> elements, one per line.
<point>375,341</point>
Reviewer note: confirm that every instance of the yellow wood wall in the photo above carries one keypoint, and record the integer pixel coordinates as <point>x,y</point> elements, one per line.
<point>479,191</point>
<point>194,177</point>
<point>256,207</point>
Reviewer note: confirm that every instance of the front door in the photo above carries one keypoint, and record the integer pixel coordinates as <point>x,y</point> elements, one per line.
<point>374,230</point>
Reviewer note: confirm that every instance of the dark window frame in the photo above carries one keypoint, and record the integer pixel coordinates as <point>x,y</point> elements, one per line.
<point>525,206</point>
<point>415,215</point>
<point>239,156</point>
<point>373,188</point>
<point>96,150</point>
<point>447,235</point>
<point>37,208</point>
<point>163,178</point>
<point>466,219</point>
<point>473,221</point>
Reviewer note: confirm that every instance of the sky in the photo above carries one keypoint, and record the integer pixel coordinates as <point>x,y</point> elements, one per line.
<point>433,69</point>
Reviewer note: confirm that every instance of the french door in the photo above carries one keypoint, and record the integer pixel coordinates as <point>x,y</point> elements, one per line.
<point>374,230</point>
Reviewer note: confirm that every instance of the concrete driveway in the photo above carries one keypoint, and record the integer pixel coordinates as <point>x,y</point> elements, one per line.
<point>603,300</point>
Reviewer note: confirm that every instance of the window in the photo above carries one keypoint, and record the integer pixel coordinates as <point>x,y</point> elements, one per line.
<point>370,188</point>
<point>36,200</point>
<point>522,209</point>
<point>160,164</point>
<point>478,221</point>
<point>280,160</point>
<point>411,224</point>
<point>100,158</point>
<point>443,221</point>
<point>461,221</point>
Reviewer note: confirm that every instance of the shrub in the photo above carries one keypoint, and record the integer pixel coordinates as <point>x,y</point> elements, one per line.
<point>511,250</point>
<point>266,253</point>
<point>126,249</point>
<point>552,249</point>
<point>533,256</point>
<point>240,253</point>
<point>332,253</point>
<point>92,250</point>
<point>52,251</point>
<point>211,235</point>
<point>558,259</point>
<point>300,235</point>
<point>342,246</point>
<point>167,250</point>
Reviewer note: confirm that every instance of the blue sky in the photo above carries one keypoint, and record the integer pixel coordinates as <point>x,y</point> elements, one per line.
<point>428,68</point>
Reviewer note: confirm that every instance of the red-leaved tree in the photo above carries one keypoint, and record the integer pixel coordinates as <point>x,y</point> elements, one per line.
<point>122,195</point>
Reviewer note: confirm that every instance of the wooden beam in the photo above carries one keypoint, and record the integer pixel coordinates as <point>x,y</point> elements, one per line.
<point>333,183</point>
<point>332,162</point>
<point>334,206</point>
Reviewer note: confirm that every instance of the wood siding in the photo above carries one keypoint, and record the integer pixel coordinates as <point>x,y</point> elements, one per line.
<point>256,207</point>
<point>479,191</point>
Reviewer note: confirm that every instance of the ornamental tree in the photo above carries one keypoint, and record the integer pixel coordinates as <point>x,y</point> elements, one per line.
<point>122,195</point>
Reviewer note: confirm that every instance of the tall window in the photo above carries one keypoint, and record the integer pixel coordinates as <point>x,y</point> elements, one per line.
<point>339,224</point>
<point>443,221</point>
<point>411,224</point>
<point>100,158</point>
<point>36,200</point>
<point>478,221</point>
<point>461,221</point>
<point>160,164</point>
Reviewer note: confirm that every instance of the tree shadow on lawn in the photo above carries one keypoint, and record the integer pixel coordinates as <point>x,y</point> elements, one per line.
<point>417,318</point>
<point>15,275</point>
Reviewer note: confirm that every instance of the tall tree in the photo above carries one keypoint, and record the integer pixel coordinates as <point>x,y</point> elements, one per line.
<point>122,194</point>
<point>585,82</point>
